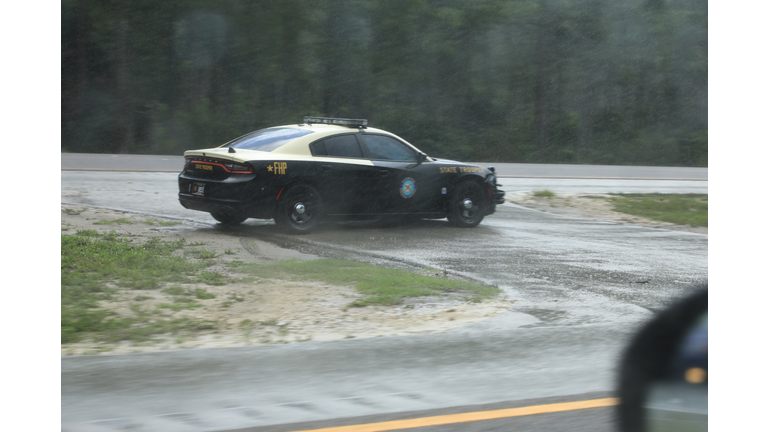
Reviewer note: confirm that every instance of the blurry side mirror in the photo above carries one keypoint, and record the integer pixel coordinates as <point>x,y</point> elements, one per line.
<point>420,158</point>
<point>663,382</point>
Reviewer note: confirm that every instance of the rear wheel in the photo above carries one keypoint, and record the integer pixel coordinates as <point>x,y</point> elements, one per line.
<point>467,205</point>
<point>228,217</point>
<point>299,210</point>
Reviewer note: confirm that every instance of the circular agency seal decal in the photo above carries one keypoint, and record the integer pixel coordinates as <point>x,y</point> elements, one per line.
<point>407,187</point>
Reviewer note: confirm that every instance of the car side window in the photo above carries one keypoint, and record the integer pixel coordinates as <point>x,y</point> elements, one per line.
<point>339,146</point>
<point>386,148</point>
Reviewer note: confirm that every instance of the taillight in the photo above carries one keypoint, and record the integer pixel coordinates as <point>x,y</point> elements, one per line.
<point>208,164</point>
<point>237,168</point>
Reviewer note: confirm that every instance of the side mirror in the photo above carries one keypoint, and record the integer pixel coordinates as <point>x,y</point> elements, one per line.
<point>663,382</point>
<point>420,158</point>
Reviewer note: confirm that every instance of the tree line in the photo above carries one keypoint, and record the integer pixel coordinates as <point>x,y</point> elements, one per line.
<point>550,81</point>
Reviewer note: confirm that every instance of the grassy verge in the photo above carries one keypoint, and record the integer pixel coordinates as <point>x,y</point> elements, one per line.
<point>680,209</point>
<point>96,267</point>
<point>116,288</point>
<point>543,194</point>
<point>383,286</point>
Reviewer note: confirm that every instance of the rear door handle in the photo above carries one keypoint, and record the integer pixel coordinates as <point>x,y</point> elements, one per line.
<point>325,168</point>
<point>383,172</point>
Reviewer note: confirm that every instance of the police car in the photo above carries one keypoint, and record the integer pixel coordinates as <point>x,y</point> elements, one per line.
<point>332,169</point>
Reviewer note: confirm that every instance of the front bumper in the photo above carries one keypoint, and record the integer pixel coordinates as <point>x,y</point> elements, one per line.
<point>498,196</point>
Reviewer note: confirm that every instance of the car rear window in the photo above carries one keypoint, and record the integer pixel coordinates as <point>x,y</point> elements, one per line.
<point>268,139</point>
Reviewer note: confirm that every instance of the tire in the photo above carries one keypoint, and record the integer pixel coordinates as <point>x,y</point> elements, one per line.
<point>299,210</point>
<point>228,217</point>
<point>467,205</point>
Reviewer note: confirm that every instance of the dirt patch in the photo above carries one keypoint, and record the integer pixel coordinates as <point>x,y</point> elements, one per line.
<point>591,206</point>
<point>253,311</point>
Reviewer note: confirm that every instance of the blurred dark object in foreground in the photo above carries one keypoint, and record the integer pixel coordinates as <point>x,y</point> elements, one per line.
<point>663,381</point>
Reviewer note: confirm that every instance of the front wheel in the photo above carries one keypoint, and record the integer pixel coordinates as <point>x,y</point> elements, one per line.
<point>299,210</point>
<point>467,205</point>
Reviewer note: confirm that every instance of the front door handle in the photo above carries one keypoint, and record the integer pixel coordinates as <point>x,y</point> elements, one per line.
<point>383,172</point>
<point>325,168</point>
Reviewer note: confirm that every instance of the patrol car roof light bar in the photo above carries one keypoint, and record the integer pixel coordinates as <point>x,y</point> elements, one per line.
<point>358,123</point>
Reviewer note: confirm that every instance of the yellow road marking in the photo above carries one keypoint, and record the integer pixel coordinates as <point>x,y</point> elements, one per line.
<point>470,417</point>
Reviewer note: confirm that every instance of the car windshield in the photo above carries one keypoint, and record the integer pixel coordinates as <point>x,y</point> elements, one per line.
<point>268,139</point>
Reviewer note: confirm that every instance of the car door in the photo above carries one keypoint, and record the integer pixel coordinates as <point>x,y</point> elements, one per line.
<point>403,185</point>
<point>344,174</point>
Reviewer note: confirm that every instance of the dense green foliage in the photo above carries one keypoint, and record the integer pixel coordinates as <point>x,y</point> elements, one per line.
<point>565,81</point>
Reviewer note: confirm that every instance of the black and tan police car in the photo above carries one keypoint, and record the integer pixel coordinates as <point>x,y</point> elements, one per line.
<point>330,168</point>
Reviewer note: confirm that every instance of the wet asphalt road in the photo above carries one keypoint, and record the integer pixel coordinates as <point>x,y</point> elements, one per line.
<point>581,287</point>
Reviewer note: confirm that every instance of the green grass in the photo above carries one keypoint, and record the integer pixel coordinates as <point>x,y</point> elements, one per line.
<point>179,304</point>
<point>379,285</point>
<point>203,294</point>
<point>201,253</point>
<point>212,278</point>
<point>544,194</point>
<point>235,264</point>
<point>90,262</point>
<point>175,290</point>
<point>94,260</point>
<point>99,267</point>
<point>680,209</point>
<point>198,293</point>
<point>113,222</point>
<point>155,222</point>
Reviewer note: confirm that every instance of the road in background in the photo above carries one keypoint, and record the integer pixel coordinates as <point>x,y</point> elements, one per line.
<point>580,287</point>
<point>157,186</point>
<point>89,161</point>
